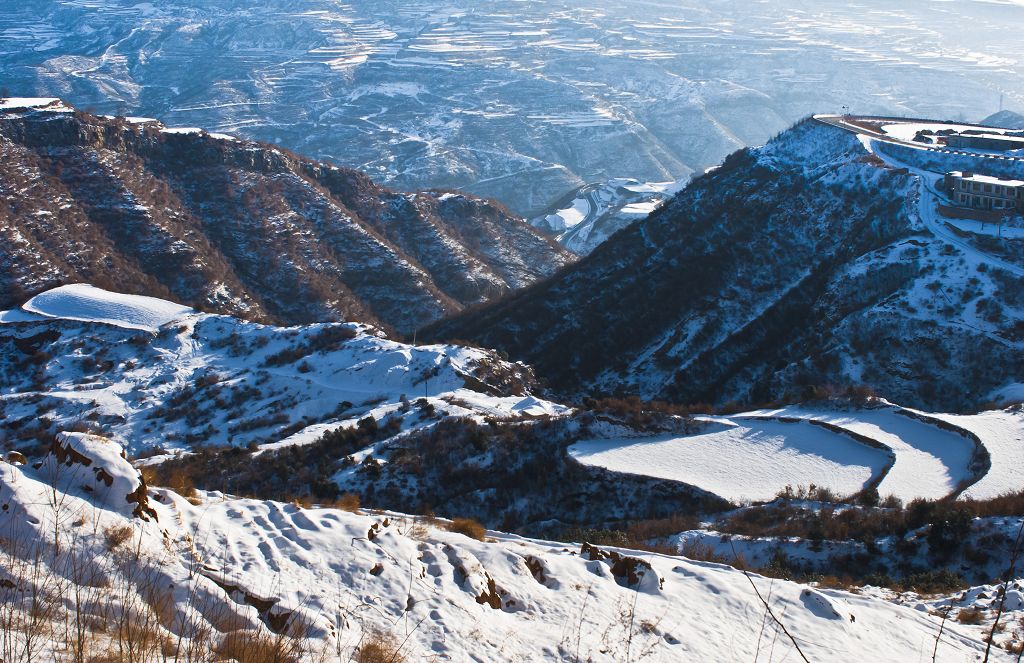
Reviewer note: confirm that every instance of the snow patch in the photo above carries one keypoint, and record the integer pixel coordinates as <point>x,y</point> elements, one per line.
<point>90,304</point>
<point>742,459</point>
<point>33,103</point>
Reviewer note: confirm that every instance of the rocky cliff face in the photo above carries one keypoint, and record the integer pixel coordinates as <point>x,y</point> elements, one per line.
<point>243,228</point>
<point>802,263</point>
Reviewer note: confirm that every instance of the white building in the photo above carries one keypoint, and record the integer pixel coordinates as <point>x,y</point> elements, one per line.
<point>984,191</point>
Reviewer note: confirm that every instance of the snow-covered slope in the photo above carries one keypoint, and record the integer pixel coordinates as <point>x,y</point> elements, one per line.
<point>156,377</point>
<point>1006,119</point>
<point>327,412</point>
<point>902,453</point>
<point>743,459</point>
<point>593,213</point>
<point>1002,433</point>
<point>32,103</point>
<point>151,373</point>
<point>929,462</point>
<point>225,574</point>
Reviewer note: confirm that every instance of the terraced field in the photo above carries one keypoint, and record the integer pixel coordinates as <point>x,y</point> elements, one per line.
<point>900,452</point>
<point>744,459</point>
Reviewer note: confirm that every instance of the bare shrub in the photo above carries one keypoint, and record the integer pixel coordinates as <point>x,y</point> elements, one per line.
<point>971,616</point>
<point>642,415</point>
<point>348,502</point>
<point>702,552</point>
<point>644,530</point>
<point>467,527</point>
<point>178,479</point>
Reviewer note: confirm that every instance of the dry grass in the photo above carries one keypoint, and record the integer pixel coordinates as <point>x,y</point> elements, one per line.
<point>419,530</point>
<point>844,583</point>
<point>467,527</point>
<point>347,502</point>
<point>658,528</point>
<point>380,647</point>
<point>56,598</point>
<point>117,536</point>
<point>970,616</point>
<point>258,647</point>
<point>702,552</point>
<point>178,480</point>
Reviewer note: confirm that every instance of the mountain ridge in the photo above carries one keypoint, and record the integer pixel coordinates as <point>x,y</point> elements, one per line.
<point>240,227</point>
<point>800,264</point>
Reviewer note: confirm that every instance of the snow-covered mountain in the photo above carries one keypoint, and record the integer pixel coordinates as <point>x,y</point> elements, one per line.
<point>331,401</point>
<point>330,415</point>
<point>593,213</point>
<point>212,446</point>
<point>518,101</point>
<point>808,262</point>
<point>233,226</point>
<point>1005,119</point>
<point>161,379</point>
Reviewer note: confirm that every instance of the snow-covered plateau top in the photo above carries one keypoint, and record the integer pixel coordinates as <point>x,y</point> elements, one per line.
<point>87,303</point>
<point>23,103</point>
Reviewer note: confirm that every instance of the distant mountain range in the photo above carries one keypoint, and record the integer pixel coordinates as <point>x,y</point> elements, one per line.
<point>1006,119</point>
<point>239,227</point>
<point>522,102</point>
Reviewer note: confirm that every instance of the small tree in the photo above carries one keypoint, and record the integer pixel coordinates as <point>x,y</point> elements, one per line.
<point>947,534</point>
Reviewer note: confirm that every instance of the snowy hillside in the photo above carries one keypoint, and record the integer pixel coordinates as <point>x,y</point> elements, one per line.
<point>534,356</point>
<point>593,213</point>
<point>151,374</point>
<point>741,459</point>
<point>157,377</point>
<point>327,416</point>
<point>1005,119</point>
<point>243,228</point>
<point>86,303</point>
<point>245,579</point>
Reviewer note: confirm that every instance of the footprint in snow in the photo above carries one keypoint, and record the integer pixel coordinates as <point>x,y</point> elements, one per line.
<point>302,521</point>
<point>431,561</point>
